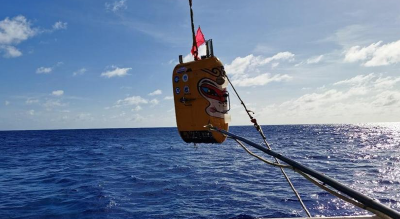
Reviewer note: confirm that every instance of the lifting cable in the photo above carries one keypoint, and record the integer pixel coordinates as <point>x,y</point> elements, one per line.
<point>259,129</point>
<point>196,52</point>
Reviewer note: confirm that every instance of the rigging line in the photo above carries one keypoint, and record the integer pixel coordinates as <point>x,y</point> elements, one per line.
<point>262,159</point>
<point>281,167</point>
<point>259,129</point>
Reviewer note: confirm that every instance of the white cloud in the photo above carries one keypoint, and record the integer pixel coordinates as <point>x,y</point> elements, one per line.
<point>18,29</point>
<point>49,104</point>
<point>116,6</point>
<point>349,35</point>
<point>387,99</point>
<point>260,80</point>
<point>386,82</point>
<point>84,117</point>
<point>241,65</point>
<point>154,101</point>
<point>312,60</point>
<point>58,93</point>
<point>156,92</point>
<point>60,25</point>
<point>31,101</point>
<point>263,48</point>
<point>385,55</point>
<point>356,53</point>
<point>274,65</point>
<point>137,108</point>
<point>116,72</point>
<point>327,96</point>
<point>280,56</point>
<point>10,51</point>
<point>137,118</point>
<point>361,98</point>
<point>15,30</point>
<point>298,64</point>
<point>245,71</point>
<point>189,57</point>
<point>122,114</point>
<point>168,98</point>
<point>375,54</point>
<point>310,101</point>
<point>44,70</point>
<point>315,60</point>
<point>12,32</point>
<point>7,103</point>
<point>48,70</point>
<point>172,61</point>
<point>323,87</point>
<point>316,106</point>
<point>31,112</point>
<point>357,80</point>
<point>79,72</point>
<point>133,100</point>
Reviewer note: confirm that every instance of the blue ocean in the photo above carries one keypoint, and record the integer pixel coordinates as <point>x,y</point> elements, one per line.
<point>152,173</point>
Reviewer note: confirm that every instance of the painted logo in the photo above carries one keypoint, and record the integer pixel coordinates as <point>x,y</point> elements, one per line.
<point>186,89</point>
<point>177,90</point>
<point>181,70</point>
<point>176,79</point>
<point>185,78</point>
<point>215,95</point>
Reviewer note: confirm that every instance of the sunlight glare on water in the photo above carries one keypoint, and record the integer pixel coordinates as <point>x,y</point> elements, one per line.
<point>151,173</point>
<point>378,148</point>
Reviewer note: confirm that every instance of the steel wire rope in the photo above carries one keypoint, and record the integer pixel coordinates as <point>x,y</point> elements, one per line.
<point>196,52</point>
<point>259,129</point>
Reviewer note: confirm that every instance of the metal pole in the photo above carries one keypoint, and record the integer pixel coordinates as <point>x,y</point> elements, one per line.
<point>367,201</point>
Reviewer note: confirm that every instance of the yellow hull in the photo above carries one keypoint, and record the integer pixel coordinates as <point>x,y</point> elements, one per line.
<point>200,99</point>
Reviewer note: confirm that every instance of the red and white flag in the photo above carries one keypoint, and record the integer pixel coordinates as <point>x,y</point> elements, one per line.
<point>200,40</point>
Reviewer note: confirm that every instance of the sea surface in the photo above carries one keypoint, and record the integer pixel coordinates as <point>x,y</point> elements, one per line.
<point>152,173</point>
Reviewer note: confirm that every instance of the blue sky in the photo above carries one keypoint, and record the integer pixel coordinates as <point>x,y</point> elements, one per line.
<point>108,64</point>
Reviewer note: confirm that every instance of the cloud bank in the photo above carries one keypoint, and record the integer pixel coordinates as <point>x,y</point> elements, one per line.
<point>246,71</point>
<point>375,54</point>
